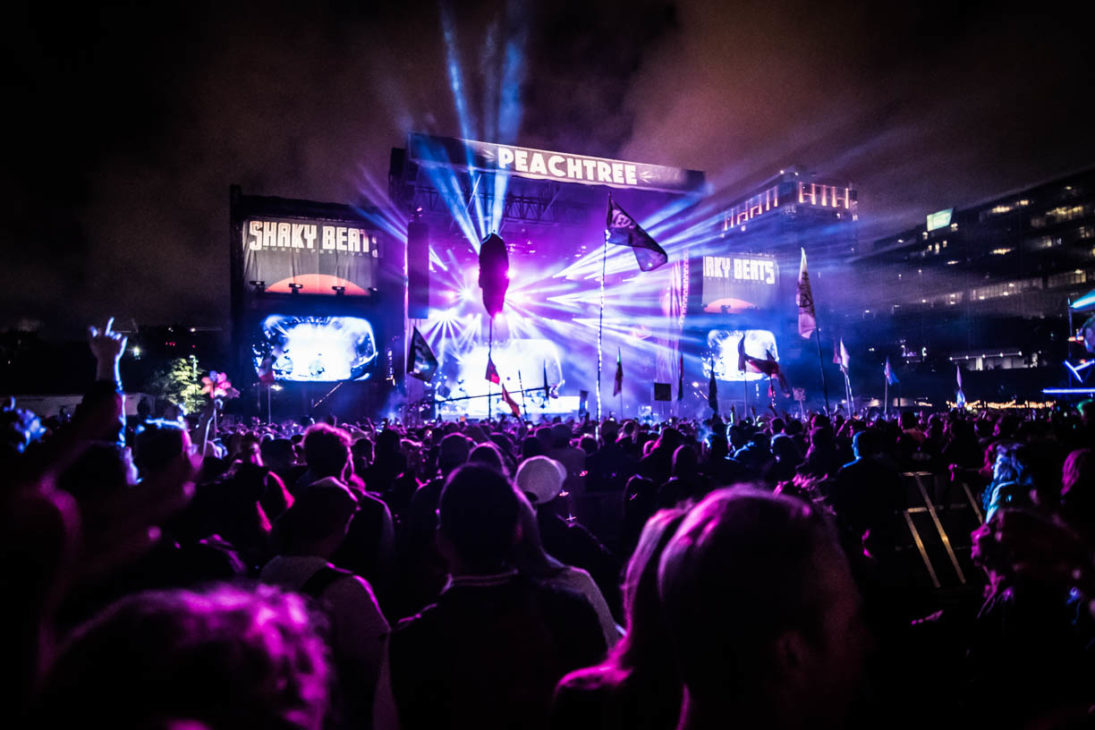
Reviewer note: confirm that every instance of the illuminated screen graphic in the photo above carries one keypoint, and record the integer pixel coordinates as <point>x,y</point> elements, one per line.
<point>520,362</point>
<point>940,219</point>
<point>738,283</point>
<point>316,348</point>
<point>722,350</point>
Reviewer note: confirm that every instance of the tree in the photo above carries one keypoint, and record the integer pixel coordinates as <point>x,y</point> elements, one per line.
<point>180,382</point>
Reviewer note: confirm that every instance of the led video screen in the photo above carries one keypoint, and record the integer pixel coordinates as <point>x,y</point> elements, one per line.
<point>722,352</point>
<point>309,348</point>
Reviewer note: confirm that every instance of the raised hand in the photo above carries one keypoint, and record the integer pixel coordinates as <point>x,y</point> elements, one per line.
<point>107,346</point>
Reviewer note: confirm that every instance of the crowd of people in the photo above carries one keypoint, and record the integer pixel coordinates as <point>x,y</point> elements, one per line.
<point>755,570</point>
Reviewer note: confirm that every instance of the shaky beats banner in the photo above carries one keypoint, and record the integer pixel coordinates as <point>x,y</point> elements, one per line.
<point>737,283</point>
<point>313,256</point>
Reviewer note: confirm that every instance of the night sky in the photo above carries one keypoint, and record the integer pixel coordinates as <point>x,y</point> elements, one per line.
<point>127,125</point>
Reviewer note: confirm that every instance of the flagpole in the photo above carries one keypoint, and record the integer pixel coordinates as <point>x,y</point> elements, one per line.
<point>745,382</point>
<point>269,387</point>
<point>1068,340</point>
<point>490,356</point>
<point>714,406</point>
<point>821,367</point>
<point>848,392</point>
<point>601,325</point>
<point>886,396</point>
<point>521,385</point>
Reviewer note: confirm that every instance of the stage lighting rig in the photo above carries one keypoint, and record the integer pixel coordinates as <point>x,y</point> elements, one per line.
<point>295,287</point>
<point>339,290</point>
<point>259,286</point>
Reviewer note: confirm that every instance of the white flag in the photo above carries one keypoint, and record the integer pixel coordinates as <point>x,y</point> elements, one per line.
<point>804,297</point>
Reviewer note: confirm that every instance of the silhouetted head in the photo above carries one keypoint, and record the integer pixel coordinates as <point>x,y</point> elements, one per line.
<point>478,515</point>
<point>222,657</point>
<point>761,606</point>
<point>326,450</point>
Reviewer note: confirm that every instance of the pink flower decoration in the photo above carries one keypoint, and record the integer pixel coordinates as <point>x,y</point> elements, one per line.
<point>216,385</point>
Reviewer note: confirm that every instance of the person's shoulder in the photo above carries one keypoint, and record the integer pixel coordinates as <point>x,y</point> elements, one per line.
<point>573,579</point>
<point>562,601</point>
<point>369,502</point>
<point>351,586</point>
<point>417,626</point>
<point>590,680</point>
<point>852,467</point>
<point>588,698</point>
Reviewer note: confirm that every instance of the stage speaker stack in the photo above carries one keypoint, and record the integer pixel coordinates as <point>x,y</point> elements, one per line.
<point>418,270</point>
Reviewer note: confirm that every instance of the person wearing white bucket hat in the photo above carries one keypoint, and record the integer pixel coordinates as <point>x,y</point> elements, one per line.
<point>541,479</point>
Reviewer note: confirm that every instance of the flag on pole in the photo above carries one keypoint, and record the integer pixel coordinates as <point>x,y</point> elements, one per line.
<point>547,391</point>
<point>421,362</point>
<point>510,402</point>
<point>891,376</point>
<point>618,382</point>
<point>713,391</point>
<point>840,356</point>
<point>680,377</point>
<point>804,297</point>
<point>492,372</point>
<point>266,370</point>
<point>960,399</point>
<point>768,366</point>
<point>621,229</point>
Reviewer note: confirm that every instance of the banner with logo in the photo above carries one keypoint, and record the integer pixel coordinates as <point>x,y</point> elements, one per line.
<point>545,165</point>
<point>310,256</point>
<point>738,283</point>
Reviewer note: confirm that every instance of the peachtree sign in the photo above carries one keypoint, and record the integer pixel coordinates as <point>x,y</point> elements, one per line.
<point>544,165</point>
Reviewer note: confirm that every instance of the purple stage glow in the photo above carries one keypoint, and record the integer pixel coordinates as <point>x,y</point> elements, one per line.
<point>551,317</point>
<point>557,257</point>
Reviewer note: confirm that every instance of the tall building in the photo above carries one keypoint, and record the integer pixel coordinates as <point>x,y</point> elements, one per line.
<point>744,270</point>
<point>789,211</point>
<point>986,286</point>
<point>777,218</point>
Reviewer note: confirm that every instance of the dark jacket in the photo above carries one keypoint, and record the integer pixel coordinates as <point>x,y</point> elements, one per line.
<point>489,653</point>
